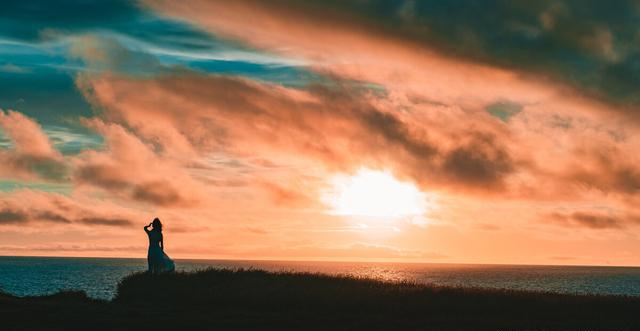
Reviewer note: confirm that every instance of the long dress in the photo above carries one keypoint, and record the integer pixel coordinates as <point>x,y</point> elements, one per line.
<point>158,261</point>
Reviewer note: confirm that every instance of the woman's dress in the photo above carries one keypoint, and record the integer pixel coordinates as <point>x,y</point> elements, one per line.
<point>158,260</point>
<point>167,263</point>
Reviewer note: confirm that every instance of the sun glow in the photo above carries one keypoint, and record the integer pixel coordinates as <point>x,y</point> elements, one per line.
<point>374,194</point>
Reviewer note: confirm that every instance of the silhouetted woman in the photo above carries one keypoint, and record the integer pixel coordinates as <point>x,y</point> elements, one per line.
<point>157,259</point>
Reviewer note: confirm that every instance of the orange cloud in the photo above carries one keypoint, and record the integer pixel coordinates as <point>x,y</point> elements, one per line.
<point>534,156</point>
<point>339,126</point>
<point>53,208</point>
<point>32,154</point>
<point>130,168</point>
<point>592,220</point>
<point>426,55</point>
<point>440,100</point>
<point>227,160</point>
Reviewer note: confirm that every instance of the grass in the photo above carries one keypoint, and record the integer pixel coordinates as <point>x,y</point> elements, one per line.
<point>224,299</point>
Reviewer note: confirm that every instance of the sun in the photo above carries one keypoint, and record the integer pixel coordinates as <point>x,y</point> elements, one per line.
<point>374,194</point>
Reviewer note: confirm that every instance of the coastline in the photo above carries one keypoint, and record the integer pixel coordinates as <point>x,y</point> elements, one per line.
<point>255,299</point>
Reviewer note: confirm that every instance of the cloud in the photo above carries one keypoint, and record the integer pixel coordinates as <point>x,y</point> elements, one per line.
<point>106,53</point>
<point>295,196</point>
<point>606,168</point>
<point>81,247</point>
<point>13,69</point>
<point>575,44</point>
<point>256,230</point>
<point>497,109</point>
<point>160,193</point>
<point>592,220</point>
<point>32,154</point>
<point>27,207</point>
<point>337,125</point>
<point>459,125</point>
<point>26,135</point>
<point>433,92</point>
<point>480,161</point>
<point>10,216</point>
<point>105,221</point>
<point>132,169</point>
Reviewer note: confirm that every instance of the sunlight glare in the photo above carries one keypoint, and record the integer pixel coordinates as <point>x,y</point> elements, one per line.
<point>374,194</point>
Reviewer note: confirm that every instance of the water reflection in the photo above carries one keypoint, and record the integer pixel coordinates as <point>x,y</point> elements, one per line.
<point>99,277</point>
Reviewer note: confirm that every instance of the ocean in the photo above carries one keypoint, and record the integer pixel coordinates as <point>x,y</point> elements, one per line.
<point>26,276</point>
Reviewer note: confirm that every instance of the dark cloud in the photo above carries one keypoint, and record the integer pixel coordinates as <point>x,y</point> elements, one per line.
<point>26,207</point>
<point>591,220</point>
<point>619,180</point>
<point>45,167</point>
<point>605,168</point>
<point>8,216</point>
<point>336,123</point>
<point>105,221</point>
<point>158,192</point>
<point>186,229</point>
<point>161,193</point>
<point>100,175</point>
<point>595,221</point>
<point>589,45</point>
<point>133,169</point>
<point>480,162</point>
<point>391,129</point>
<point>12,216</point>
<point>52,216</point>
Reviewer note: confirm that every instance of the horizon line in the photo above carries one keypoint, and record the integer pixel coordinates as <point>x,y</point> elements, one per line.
<point>326,260</point>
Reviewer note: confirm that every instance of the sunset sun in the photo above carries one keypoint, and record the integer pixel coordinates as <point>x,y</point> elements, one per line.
<point>374,194</point>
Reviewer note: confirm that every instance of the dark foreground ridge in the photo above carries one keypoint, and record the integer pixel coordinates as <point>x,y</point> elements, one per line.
<point>222,299</point>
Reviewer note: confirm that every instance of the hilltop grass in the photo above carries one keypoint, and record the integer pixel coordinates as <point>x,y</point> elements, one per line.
<point>225,299</point>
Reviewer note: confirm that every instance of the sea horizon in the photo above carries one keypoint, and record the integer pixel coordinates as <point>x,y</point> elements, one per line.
<point>337,261</point>
<point>99,276</point>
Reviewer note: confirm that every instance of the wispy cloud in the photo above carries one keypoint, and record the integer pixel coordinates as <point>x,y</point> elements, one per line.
<point>520,116</point>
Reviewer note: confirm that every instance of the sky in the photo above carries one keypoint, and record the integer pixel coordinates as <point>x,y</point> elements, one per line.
<point>364,130</point>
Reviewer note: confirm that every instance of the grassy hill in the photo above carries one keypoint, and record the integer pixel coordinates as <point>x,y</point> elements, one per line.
<point>258,300</point>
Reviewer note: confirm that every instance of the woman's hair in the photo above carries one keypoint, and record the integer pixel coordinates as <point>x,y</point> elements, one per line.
<point>157,225</point>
